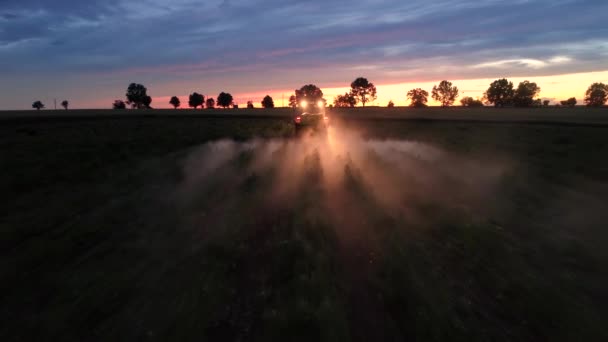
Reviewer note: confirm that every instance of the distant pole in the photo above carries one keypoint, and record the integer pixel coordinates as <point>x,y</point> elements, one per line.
<point>282,100</point>
<point>55,100</point>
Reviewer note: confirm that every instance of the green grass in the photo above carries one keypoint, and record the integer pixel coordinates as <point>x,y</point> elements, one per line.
<point>101,241</point>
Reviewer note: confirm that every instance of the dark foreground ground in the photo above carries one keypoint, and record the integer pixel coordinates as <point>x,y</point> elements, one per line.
<point>134,229</point>
<point>577,115</point>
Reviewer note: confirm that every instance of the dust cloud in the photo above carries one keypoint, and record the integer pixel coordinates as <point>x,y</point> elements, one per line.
<point>338,177</point>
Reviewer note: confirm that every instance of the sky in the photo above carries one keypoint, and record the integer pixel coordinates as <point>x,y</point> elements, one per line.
<point>89,51</point>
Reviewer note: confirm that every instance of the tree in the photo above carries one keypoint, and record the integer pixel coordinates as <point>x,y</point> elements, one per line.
<point>571,102</point>
<point>210,103</point>
<point>418,97</point>
<point>525,93</point>
<point>500,93</point>
<point>146,102</point>
<point>293,102</point>
<point>119,104</point>
<point>445,93</point>
<point>250,105</point>
<point>596,95</point>
<point>65,104</point>
<point>546,103</point>
<point>309,93</point>
<point>38,105</point>
<point>175,102</point>
<point>391,104</point>
<point>196,100</point>
<point>224,100</point>
<point>136,95</point>
<point>468,101</point>
<point>346,100</point>
<point>267,102</point>
<point>363,90</point>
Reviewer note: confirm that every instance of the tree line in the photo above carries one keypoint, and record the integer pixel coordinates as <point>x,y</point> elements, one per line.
<point>500,93</point>
<point>137,98</point>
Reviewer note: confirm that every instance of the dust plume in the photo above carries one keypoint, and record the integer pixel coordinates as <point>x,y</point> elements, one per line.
<point>337,177</point>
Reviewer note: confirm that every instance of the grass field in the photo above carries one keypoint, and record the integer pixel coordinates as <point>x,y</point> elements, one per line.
<point>577,115</point>
<point>173,226</point>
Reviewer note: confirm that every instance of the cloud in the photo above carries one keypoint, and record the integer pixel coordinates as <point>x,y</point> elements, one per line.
<point>288,41</point>
<point>525,62</point>
<point>8,16</point>
<point>560,59</point>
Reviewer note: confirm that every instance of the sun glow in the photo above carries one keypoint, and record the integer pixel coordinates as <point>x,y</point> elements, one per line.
<point>553,88</point>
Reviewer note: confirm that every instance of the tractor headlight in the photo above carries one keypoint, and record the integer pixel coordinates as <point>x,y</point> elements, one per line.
<point>321,104</point>
<point>303,104</point>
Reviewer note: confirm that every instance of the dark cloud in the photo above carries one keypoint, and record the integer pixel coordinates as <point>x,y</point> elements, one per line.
<point>8,16</point>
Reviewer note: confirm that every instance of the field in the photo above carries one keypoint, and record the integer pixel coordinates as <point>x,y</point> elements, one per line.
<point>398,224</point>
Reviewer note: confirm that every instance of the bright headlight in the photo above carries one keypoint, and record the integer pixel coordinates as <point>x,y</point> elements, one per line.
<point>320,103</point>
<point>303,104</point>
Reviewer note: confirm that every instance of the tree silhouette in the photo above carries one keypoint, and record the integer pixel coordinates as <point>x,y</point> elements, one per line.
<point>525,93</point>
<point>546,103</point>
<point>137,95</point>
<point>175,102</point>
<point>571,102</point>
<point>65,104</point>
<point>210,103</point>
<point>268,102</point>
<point>391,104</point>
<point>224,100</point>
<point>196,100</point>
<point>119,104</point>
<point>596,95</point>
<point>445,93</point>
<point>418,97</point>
<point>38,105</point>
<point>468,101</point>
<point>293,102</point>
<point>500,93</point>
<point>363,90</point>
<point>346,100</point>
<point>147,101</point>
<point>309,93</point>
<point>250,105</point>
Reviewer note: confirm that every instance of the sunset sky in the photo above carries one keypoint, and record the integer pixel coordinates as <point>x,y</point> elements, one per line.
<point>89,51</point>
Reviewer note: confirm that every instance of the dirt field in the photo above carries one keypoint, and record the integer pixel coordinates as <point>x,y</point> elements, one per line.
<point>167,225</point>
<point>577,115</point>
